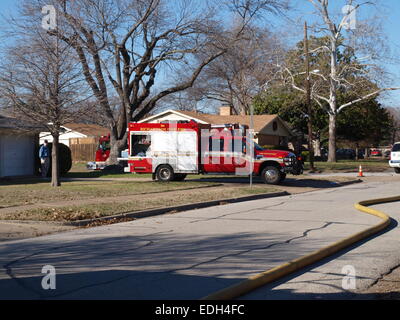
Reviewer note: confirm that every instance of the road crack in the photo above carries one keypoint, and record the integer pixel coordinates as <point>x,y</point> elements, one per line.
<point>9,269</point>
<point>239,212</point>
<point>304,235</point>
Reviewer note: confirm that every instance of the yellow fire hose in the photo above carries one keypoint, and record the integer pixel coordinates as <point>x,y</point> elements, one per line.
<point>271,275</point>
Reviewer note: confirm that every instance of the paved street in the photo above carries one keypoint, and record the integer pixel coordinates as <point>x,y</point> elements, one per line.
<point>389,173</point>
<point>190,254</point>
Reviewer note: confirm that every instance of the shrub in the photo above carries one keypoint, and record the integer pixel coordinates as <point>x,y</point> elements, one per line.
<point>305,155</point>
<point>64,159</point>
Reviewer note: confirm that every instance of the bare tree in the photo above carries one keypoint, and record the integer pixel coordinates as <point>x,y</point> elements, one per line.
<point>124,45</point>
<point>359,38</point>
<point>41,82</point>
<point>238,76</point>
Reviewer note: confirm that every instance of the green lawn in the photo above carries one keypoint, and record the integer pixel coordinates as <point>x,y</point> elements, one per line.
<point>79,170</point>
<point>73,213</point>
<point>351,166</point>
<point>38,191</point>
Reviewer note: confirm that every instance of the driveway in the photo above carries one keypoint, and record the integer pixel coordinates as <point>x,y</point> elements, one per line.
<point>191,254</point>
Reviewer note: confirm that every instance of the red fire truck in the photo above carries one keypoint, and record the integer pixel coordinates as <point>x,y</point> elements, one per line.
<point>170,151</point>
<point>102,154</point>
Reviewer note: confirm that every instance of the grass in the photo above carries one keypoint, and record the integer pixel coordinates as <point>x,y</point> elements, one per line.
<point>73,213</point>
<point>41,191</point>
<point>33,191</point>
<point>79,170</point>
<point>350,166</point>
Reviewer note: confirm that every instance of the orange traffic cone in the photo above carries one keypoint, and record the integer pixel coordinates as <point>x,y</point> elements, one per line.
<point>360,172</point>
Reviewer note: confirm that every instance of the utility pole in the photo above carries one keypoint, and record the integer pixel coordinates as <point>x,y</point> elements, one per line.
<point>251,144</point>
<point>308,100</point>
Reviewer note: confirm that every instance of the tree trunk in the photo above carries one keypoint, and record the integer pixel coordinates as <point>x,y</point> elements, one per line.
<point>297,142</point>
<point>357,151</point>
<point>117,145</point>
<point>55,171</point>
<point>317,147</point>
<point>332,138</point>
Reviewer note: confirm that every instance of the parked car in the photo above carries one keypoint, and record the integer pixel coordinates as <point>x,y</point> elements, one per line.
<point>394,161</point>
<point>376,153</point>
<point>345,154</point>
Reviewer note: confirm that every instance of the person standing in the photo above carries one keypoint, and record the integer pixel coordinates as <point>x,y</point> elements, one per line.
<point>44,155</point>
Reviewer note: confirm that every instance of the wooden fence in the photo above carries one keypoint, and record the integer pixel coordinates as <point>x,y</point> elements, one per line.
<point>83,149</point>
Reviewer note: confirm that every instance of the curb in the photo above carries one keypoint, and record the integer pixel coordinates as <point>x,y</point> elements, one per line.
<point>345,183</point>
<point>287,268</point>
<point>184,207</point>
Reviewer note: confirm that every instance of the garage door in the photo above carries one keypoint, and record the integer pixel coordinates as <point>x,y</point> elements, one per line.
<point>16,155</point>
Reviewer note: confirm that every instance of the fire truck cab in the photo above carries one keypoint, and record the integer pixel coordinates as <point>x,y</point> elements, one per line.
<point>102,154</point>
<point>170,151</point>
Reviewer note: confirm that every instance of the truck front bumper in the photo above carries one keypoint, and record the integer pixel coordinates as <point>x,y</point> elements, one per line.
<point>394,163</point>
<point>295,168</point>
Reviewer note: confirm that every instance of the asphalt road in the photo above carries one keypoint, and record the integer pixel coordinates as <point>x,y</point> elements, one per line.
<point>388,173</point>
<point>191,254</point>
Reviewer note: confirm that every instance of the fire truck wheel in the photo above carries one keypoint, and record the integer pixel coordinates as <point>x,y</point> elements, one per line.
<point>165,173</point>
<point>271,175</point>
<point>180,176</point>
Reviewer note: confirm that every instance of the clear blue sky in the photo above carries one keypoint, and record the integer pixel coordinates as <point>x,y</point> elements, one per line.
<point>8,6</point>
<point>390,9</point>
<point>392,29</point>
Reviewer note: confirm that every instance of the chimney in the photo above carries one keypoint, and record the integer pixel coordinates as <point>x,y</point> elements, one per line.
<point>225,111</point>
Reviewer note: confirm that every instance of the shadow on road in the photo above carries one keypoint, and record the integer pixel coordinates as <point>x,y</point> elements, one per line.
<point>160,265</point>
<point>113,285</point>
<point>289,182</point>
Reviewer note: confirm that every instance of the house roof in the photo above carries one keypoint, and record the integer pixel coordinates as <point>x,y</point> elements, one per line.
<point>260,121</point>
<point>90,130</point>
<point>17,124</point>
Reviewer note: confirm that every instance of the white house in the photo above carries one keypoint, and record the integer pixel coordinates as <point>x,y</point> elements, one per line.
<point>18,146</point>
<point>75,130</point>
<point>269,129</point>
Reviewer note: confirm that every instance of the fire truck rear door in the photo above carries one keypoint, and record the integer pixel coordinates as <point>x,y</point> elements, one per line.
<point>176,148</point>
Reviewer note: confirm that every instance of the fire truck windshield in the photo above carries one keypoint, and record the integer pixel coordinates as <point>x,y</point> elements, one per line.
<point>258,147</point>
<point>104,145</point>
